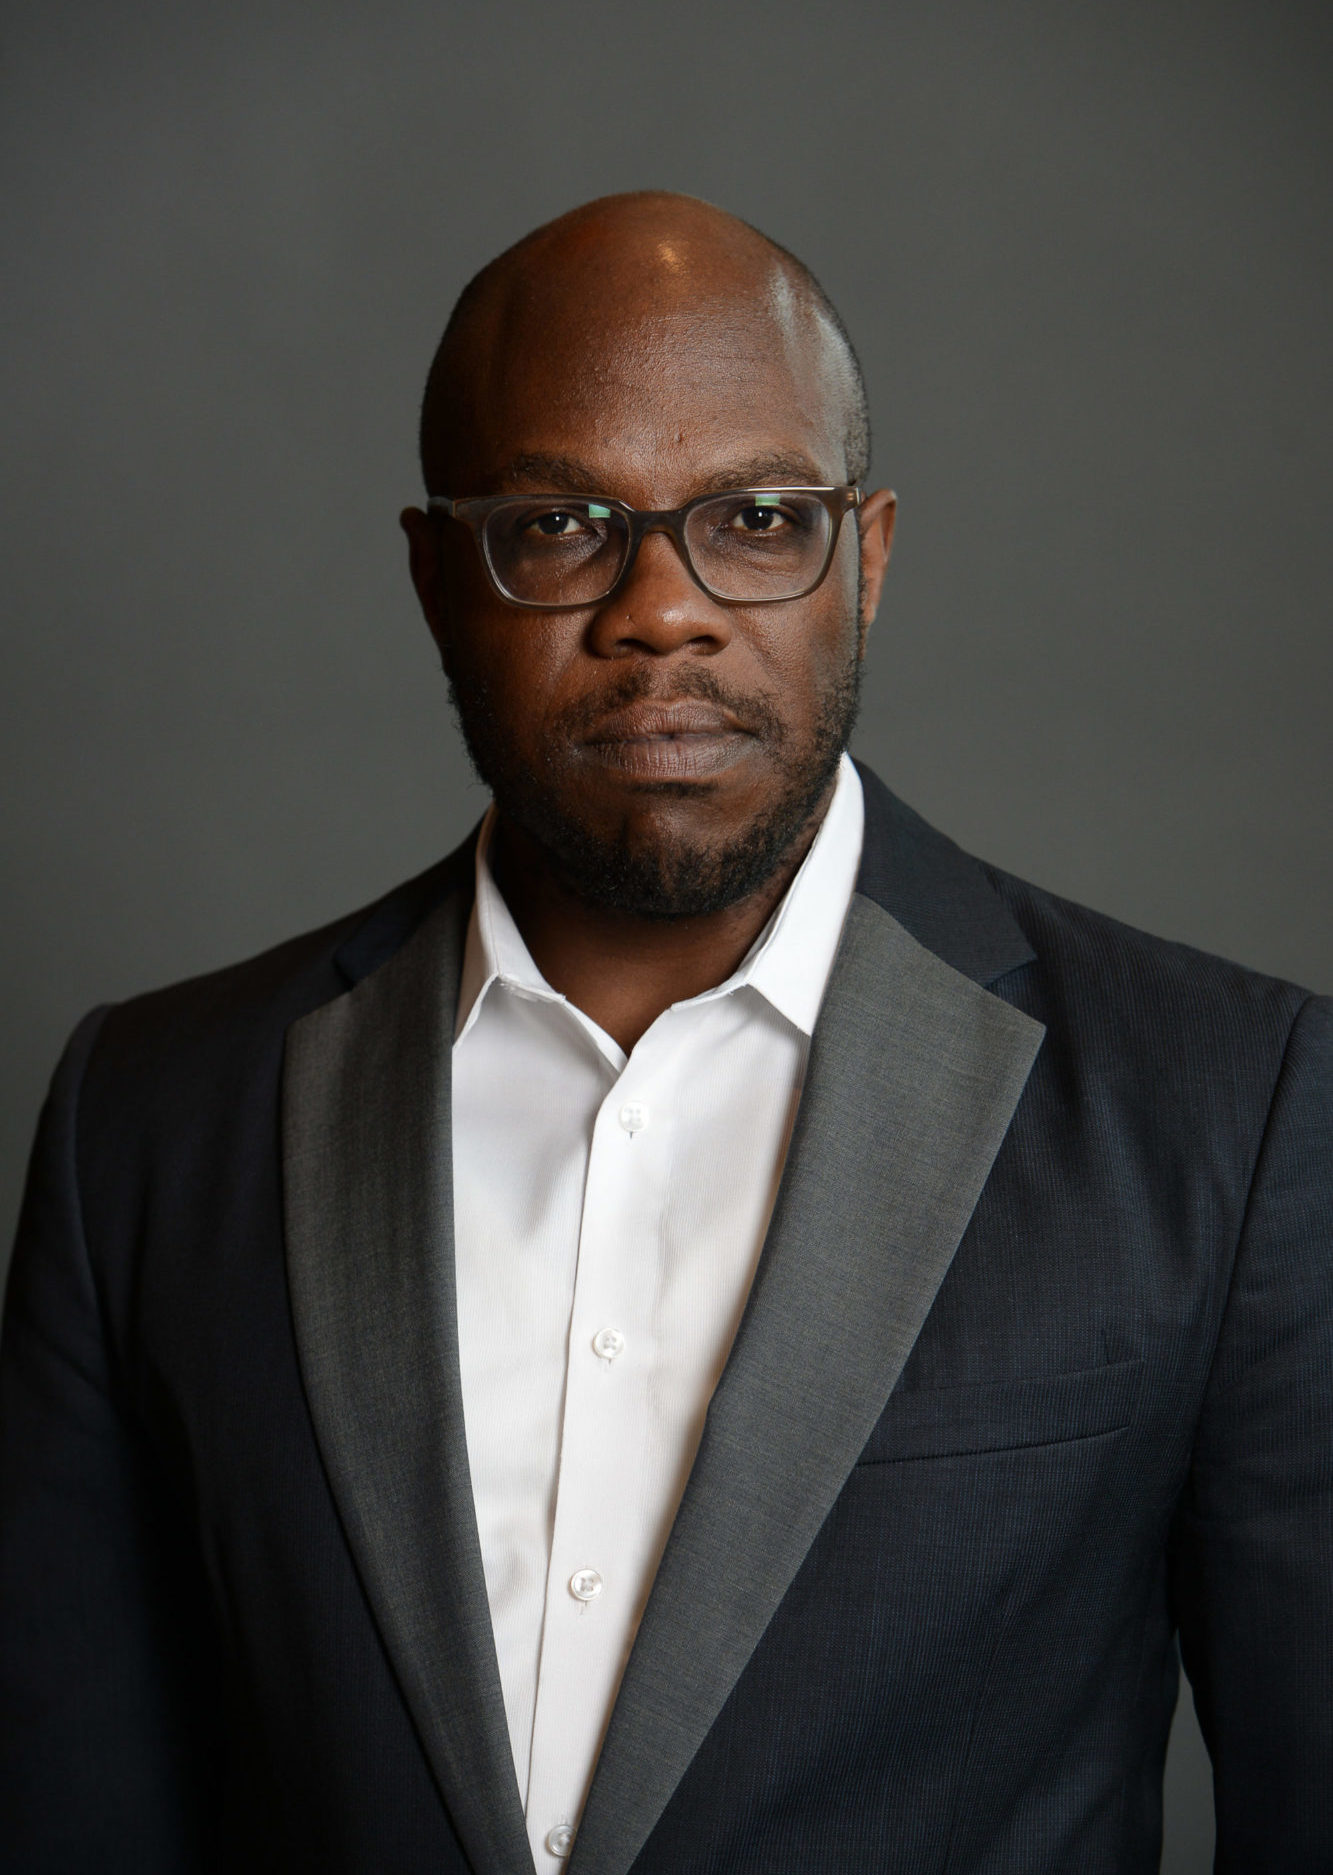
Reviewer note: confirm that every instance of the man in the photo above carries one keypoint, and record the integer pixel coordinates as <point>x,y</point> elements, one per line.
<point>710,1331</point>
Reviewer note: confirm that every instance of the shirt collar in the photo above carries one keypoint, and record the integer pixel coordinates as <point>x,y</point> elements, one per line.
<point>788,963</point>
<point>790,960</point>
<point>494,953</point>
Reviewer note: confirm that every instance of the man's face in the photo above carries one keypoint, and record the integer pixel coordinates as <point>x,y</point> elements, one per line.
<point>663,750</point>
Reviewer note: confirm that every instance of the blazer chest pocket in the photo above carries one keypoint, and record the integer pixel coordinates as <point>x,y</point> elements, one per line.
<point>1004,1415</point>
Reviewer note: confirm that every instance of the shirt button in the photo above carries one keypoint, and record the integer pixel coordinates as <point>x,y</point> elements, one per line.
<point>608,1342</point>
<point>560,1840</point>
<point>634,1116</point>
<point>585,1585</point>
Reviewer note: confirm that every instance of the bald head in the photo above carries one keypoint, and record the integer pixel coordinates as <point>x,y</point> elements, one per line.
<point>631,289</point>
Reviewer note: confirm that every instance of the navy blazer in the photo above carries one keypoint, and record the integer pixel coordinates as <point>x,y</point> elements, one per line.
<point>1035,1385</point>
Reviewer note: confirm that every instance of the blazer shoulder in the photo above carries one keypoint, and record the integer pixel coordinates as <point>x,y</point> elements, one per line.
<point>192,1027</point>
<point>1074,968</point>
<point>1143,993</point>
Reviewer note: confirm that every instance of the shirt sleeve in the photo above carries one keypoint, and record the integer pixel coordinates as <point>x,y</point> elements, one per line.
<point>104,1707</point>
<point>1253,1539</point>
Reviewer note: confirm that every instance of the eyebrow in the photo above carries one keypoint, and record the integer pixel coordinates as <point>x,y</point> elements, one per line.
<point>548,474</point>
<point>538,472</point>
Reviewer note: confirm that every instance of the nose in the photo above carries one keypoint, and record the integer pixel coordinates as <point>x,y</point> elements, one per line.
<point>659,608</point>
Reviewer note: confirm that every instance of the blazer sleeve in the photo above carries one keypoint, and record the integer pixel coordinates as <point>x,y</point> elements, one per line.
<point>1253,1541</point>
<point>104,1710</point>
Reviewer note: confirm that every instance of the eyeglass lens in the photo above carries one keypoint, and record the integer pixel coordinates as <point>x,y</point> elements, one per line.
<point>743,547</point>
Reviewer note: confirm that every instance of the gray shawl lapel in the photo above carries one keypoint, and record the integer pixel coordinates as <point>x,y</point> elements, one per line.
<point>914,1073</point>
<point>368,1192</point>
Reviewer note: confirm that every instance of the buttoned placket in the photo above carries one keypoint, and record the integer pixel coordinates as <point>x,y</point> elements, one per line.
<point>602,1545</point>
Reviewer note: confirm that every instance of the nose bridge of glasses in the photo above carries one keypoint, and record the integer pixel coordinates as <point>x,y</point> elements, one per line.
<point>668,521</point>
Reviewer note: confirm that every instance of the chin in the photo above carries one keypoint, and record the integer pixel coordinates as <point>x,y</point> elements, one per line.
<point>672,854</point>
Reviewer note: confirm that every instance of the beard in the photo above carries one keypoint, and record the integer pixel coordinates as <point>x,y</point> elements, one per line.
<point>673,875</point>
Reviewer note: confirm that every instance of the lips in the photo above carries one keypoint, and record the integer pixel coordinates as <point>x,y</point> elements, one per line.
<point>646,721</point>
<point>667,741</point>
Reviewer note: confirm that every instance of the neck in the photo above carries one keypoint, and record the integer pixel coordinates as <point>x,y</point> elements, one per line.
<point>622,970</point>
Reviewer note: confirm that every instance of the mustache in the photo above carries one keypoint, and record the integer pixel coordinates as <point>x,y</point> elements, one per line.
<point>752,711</point>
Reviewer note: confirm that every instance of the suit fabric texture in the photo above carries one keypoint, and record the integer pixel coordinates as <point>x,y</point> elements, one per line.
<point>1032,1392</point>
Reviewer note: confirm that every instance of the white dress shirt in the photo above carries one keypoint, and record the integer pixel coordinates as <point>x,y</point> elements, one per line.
<point>609,1213</point>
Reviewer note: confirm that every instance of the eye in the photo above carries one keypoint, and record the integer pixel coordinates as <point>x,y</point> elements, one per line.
<point>557,523</point>
<point>580,521</point>
<point>763,515</point>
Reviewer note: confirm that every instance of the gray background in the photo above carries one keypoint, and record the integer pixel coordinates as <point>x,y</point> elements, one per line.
<point>1084,251</point>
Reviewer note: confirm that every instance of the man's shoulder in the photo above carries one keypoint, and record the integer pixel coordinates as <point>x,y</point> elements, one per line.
<point>1120,961</point>
<point>246,1007</point>
<point>1100,986</point>
<point>1127,1010</point>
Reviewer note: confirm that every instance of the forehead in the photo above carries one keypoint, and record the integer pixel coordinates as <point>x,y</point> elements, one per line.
<point>660,392</point>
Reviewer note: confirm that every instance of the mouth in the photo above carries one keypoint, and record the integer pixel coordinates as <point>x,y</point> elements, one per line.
<point>687,740</point>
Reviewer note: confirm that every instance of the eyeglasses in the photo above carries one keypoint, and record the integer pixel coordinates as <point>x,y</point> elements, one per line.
<point>750,546</point>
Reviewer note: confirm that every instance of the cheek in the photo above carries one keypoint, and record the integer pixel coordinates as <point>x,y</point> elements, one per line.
<point>811,652</point>
<point>500,647</point>
<point>520,661</point>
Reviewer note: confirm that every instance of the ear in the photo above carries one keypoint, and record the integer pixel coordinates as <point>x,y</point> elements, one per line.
<point>423,558</point>
<point>874,518</point>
